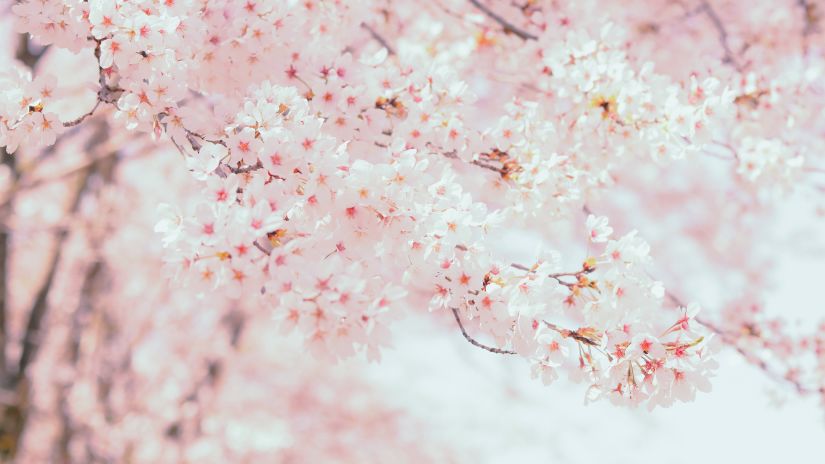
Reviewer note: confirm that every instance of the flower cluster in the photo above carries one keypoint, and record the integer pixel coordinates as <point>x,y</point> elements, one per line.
<point>604,324</point>
<point>25,110</point>
<point>761,159</point>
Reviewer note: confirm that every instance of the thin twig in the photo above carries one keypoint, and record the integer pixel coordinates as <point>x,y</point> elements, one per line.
<point>247,168</point>
<point>379,38</point>
<point>79,120</point>
<point>486,166</point>
<point>508,27</point>
<point>105,93</point>
<point>473,341</point>
<point>558,275</point>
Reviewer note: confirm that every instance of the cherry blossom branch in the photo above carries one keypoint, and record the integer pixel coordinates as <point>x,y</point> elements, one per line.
<point>105,92</point>
<point>753,359</point>
<point>580,335</point>
<point>191,135</point>
<point>727,337</point>
<point>246,169</point>
<point>508,165</point>
<point>485,166</point>
<point>473,341</point>
<point>732,340</point>
<point>507,26</point>
<point>578,275</point>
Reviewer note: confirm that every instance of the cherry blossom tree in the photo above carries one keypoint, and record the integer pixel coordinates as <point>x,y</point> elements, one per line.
<point>561,183</point>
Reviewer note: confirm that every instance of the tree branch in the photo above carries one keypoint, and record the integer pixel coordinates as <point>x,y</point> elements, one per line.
<point>379,38</point>
<point>507,26</point>
<point>32,334</point>
<point>24,53</point>
<point>80,119</point>
<point>27,185</point>
<point>811,16</point>
<point>31,337</point>
<point>473,341</point>
<point>729,57</point>
<point>5,241</point>
<point>105,93</point>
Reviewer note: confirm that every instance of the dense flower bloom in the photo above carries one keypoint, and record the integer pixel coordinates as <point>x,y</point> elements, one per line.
<point>354,163</point>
